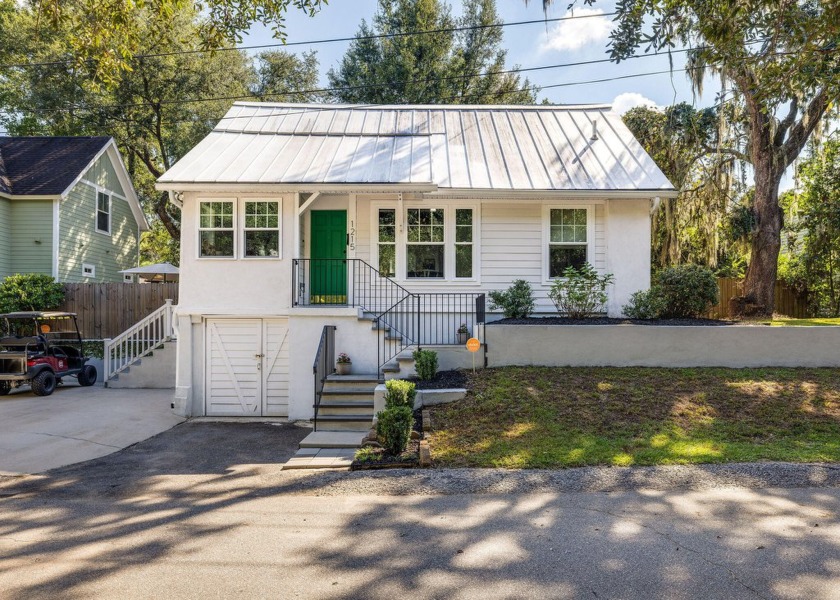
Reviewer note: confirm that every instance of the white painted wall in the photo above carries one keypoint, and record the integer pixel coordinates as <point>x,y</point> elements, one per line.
<point>628,250</point>
<point>659,346</point>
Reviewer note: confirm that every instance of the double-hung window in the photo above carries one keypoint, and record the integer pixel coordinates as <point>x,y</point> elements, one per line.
<point>424,249</point>
<point>387,240</point>
<point>216,229</point>
<point>103,212</point>
<point>568,239</point>
<point>262,229</point>
<point>463,243</point>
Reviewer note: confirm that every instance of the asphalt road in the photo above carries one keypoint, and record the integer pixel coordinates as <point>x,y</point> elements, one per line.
<point>202,511</point>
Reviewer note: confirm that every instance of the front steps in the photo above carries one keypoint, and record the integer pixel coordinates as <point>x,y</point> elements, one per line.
<point>345,417</point>
<point>154,371</point>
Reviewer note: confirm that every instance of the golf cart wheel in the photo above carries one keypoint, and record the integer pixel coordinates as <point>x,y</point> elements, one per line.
<point>5,388</point>
<point>43,384</point>
<point>87,376</point>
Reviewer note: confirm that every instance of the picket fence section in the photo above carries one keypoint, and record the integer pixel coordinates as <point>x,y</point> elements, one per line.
<point>105,310</point>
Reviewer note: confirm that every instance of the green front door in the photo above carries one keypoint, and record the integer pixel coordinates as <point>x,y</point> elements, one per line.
<point>328,250</point>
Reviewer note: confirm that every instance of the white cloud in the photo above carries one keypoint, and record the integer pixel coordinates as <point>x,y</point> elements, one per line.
<point>577,33</point>
<point>624,102</point>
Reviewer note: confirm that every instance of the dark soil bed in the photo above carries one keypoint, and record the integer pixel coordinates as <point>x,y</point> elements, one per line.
<point>443,380</point>
<point>609,321</point>
<point>381,460</point>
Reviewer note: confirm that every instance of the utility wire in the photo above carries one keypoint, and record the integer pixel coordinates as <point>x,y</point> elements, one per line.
<point>327,90</point>
<point>377,36</point>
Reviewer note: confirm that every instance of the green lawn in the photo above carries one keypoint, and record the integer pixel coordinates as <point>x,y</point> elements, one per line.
<point>815,322</point>
<point>530,417</point>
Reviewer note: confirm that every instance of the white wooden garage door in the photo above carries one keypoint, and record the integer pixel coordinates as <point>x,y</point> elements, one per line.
<point>247,369</point>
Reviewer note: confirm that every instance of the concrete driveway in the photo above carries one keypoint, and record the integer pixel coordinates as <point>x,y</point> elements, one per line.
<point>75,424</point>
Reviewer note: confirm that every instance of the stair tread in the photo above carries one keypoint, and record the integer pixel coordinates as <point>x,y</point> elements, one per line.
<point>333,391</point>
<point>358,377</point>
<point>346,404</point>
<point>333,439</point>
<point>354,417</point>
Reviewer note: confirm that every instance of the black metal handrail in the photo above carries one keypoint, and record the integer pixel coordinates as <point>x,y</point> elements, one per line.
<point>323,366</point>
<point>343,282</point>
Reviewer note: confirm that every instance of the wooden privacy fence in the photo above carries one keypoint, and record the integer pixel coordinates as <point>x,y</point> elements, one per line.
<point>107,309</point>
<point>788,301</point>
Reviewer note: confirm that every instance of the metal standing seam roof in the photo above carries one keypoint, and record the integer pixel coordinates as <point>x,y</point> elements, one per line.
<point>552,148</point>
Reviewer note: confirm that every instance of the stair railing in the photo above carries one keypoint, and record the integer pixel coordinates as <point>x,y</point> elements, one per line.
<point>139,340</point>
<point>323,366</point>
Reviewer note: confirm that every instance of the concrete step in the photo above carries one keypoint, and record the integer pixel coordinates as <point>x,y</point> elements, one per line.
<point>336,389</point>
<point>345,408</point>
<point>366,381</point>
<point>321,458</point>
<point>358,422</point>
<point>334,439</point>
<point>153,371</point>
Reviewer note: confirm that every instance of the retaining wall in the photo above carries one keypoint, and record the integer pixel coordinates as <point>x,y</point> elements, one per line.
<point>662,346</point>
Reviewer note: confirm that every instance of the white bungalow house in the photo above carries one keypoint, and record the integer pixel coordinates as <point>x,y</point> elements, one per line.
<point>311,230</point>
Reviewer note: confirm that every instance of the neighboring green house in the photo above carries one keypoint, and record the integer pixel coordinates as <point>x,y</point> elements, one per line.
<point>67,209</point>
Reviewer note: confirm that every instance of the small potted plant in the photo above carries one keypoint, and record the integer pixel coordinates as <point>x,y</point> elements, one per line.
<point>463,334</point>
<point>343,364</point>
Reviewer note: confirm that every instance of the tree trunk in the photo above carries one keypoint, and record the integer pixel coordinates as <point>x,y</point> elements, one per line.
<point>760,283</point>
<point>162,209</point>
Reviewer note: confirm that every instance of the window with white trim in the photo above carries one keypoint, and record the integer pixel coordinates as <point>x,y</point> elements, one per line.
<point>424,248</point>
<point>387,241</point>
<point>128,278</point>
<point>262,229</point>
<point>103,212</point>
<point>216,229</point>
<point>463,243</point>
<point>568,239</point>
<point>88,270</point>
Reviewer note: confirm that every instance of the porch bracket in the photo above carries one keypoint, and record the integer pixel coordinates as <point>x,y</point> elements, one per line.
<point>302,208</point>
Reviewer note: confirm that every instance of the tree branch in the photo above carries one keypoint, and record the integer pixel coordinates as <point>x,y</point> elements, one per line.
<point>787,122</point>
<point>730,151</point>
<point>800,132</point>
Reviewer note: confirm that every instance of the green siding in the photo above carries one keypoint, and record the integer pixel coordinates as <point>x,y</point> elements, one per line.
<point>102,173</point>
<point>31,236</point>
<point>80,243</point>
<point>5,238</point>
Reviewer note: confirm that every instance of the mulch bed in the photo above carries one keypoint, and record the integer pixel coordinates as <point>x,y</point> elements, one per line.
<point>407,460</point>
<point>443,380</point>
<point>610,321</point>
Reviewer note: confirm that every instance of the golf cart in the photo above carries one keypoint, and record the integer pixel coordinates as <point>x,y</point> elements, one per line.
<point>40,348</point>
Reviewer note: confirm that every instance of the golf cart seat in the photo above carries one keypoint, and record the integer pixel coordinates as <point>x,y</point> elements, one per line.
<point>19,344</point>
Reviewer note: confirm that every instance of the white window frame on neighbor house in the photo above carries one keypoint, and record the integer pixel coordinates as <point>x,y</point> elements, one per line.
<point>449,236</point>
<point>546,235</point>
<point>127,278</point>
<point>233,228</point>
<point>103,192</point>
<point>243,204</point>
<point>88,270</point>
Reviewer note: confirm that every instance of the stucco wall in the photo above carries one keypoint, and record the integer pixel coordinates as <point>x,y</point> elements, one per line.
<point>224,286</point>
<point>654,346</point>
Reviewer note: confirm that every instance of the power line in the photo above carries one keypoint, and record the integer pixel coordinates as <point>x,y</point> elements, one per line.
<point>327,90</point>
<point>327,40</point>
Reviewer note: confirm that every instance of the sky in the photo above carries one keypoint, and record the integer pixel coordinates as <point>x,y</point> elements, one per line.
<point>532,45</point>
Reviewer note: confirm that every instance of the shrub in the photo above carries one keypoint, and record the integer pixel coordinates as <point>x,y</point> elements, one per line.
<point>580,293</point>
<point>426,364</point>
<point>32,291</point>
<point>399,392</point>
<point>687,291</point>
<point>517,302</point>
<point>647,304</point>
<point>393,427</point>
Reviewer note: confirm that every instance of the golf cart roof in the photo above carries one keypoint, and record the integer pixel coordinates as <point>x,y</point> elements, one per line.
<point>50,314</point>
